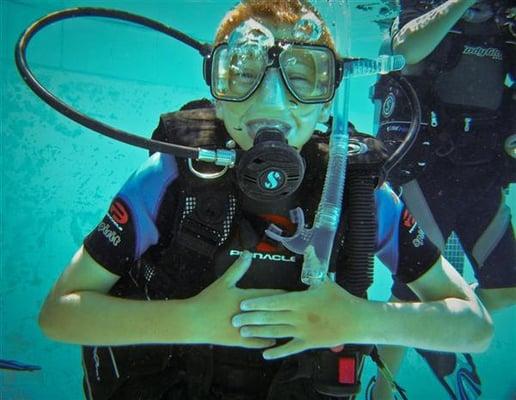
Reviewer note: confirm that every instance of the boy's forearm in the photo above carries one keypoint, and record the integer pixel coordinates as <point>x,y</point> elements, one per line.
<point>446,325</point>
<point>93,318</point>
<point>418,38</point>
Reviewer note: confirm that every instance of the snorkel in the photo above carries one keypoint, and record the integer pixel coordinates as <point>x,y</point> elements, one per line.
<point>319,239</point>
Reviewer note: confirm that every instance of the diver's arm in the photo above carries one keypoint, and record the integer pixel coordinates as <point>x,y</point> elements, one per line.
<point>79,310</point>
<point>392,357</point>
<point>419,37</point>
<point>449,317</point>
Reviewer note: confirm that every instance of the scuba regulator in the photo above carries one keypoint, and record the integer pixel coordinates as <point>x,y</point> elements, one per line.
<point>271,169</point>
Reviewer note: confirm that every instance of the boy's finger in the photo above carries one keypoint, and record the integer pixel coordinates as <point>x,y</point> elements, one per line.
<point>292,347</point>
<point>238,269</point>
<point>256,343</point>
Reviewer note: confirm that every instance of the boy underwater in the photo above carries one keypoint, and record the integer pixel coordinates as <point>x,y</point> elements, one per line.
<point>157,295</point>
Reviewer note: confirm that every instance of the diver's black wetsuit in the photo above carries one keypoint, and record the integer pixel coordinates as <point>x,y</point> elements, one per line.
<point>130,242</point>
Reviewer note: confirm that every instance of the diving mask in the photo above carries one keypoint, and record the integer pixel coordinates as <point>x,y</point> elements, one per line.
<point>310,72</point>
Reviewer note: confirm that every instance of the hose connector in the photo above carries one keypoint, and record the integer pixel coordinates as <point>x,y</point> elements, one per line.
<point>221,157</point>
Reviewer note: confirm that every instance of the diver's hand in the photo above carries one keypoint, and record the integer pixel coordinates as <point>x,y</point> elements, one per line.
<point>218,303</point>
<point>321,317</point>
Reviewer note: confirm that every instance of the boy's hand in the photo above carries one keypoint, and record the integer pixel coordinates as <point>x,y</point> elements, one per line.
<point>219,302</point>
<point>323,316</point>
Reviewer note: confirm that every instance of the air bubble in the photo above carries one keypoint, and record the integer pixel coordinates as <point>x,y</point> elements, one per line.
<point>308,28</point>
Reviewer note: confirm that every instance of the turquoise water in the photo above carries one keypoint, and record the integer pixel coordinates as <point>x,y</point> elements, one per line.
<point>58,178</point>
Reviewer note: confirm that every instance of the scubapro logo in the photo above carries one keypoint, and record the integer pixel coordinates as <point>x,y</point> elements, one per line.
<point>273,180</point>
<point>266,256</point>
<point>388,105</point>
<point>109,234</point>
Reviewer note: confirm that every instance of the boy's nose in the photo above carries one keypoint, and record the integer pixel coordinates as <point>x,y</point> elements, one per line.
<point>272,93</point>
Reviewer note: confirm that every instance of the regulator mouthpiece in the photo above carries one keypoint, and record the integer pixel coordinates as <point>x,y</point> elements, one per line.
<point>271,169</point>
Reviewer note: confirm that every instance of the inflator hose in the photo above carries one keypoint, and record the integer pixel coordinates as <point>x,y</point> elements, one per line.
<point>362,180</point>
<point>414,127</point>
<point>359,246</point>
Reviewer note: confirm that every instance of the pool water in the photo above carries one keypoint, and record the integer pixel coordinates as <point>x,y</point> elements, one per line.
<point>58,177</point>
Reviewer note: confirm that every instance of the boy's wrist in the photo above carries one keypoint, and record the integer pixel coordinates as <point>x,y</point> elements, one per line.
<point>358,312</point>
<point>374,322</point>
<point>184,325</point>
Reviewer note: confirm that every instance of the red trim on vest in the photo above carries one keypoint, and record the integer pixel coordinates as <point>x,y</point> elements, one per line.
<point>347,370</point>
<point>265,246</point>
<point>281,221</point>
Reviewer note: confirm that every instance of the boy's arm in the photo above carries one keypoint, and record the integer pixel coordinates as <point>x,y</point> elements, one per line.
<point>79,310</point>
<point>450,318</point>
<point>419,37</point>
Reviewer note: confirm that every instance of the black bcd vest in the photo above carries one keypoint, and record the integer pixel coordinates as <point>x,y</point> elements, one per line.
<point>201,217</point>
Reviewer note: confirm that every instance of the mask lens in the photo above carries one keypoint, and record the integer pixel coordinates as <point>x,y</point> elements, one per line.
<point>236,72</point>
<point>309,72</point>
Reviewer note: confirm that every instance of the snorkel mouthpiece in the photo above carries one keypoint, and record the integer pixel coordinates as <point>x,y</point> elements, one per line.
<point>271,169</point>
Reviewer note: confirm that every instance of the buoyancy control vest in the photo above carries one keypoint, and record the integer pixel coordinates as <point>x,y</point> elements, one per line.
<point>203,218</point>
<point>463,98</point>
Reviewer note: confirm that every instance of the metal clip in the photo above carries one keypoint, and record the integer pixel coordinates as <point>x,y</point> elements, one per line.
<point>467,124</point>
<point>433,119</point>
<point>97,362</point>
